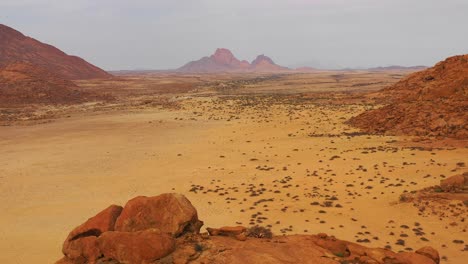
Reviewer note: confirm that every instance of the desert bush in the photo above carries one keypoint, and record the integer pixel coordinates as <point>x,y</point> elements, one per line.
<point>259,232</point>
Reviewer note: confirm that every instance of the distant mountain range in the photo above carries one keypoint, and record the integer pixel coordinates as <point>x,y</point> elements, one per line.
<point>224,61</point>
<point>398,68</point>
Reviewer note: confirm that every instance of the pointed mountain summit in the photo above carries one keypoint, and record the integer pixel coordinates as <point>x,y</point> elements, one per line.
<point>224,61</point>
<point>18,48</point>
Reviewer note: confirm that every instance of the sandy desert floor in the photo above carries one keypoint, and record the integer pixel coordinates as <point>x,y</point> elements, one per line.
<point>266,159</point>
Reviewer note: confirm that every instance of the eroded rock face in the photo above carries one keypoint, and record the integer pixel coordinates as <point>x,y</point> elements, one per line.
<point>170,213</point>
<point>136,247</point>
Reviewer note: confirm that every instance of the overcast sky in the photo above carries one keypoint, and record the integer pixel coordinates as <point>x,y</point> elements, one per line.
<point>161,34</point>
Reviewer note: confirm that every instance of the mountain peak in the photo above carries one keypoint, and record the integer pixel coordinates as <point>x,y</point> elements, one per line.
<point>225,57</point>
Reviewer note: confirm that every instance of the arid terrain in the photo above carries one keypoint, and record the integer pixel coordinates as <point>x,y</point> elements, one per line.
<point>273,150</point>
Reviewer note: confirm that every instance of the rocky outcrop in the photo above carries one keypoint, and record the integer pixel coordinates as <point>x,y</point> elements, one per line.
<point>316,249</point>
<point>433,102</point>
<point>165,229</point>
<point>16,47</point>
<point>141,232</point>
<point>455,183</point>
<point>25,83</point>
<point>224,61</point>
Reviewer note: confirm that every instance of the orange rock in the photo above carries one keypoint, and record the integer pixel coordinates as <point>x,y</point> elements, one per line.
<point>171,213</point>
<point>227,230</point>
<point>80,241</point>
<point>142,247</point>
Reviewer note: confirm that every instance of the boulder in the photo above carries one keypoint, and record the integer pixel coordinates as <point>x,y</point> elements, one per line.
<point>141,247</point>
<point>430,253</point>
<point>171,213</point>
<point>226,230</point>
<point>413,258</point>
<point>83,250</point>
<point>80,241</point>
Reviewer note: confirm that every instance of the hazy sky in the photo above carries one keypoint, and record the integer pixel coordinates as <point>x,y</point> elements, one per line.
<point>160,34</point>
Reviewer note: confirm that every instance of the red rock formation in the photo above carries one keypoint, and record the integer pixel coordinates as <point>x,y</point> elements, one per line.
<point>170,213</point>
<point>23,83</point>
<point>15,47</point>
<point>433,102</point>
<point>224,61</point>
<point>142,243</point>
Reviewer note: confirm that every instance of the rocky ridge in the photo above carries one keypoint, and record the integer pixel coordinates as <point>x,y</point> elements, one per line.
<point>432,102</point>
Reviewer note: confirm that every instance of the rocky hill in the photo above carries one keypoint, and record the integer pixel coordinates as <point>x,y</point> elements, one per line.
<point>16,47</point>
<point>166,229</point>
<point>23,83</point>
<point>224,61</point>
<point>432,102</point>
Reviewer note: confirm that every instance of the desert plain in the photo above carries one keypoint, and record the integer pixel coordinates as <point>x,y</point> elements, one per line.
<point>247,149</point>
